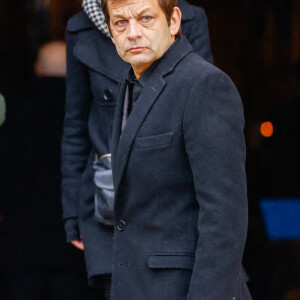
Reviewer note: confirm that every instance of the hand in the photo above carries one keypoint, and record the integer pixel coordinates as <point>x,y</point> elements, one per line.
<point>78,244</point>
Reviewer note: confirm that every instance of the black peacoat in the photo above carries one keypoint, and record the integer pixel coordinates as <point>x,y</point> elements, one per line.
<point>94,71</point>
<point>180,184</point>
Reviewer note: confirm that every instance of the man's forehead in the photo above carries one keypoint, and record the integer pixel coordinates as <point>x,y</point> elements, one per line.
<point>138,5</point>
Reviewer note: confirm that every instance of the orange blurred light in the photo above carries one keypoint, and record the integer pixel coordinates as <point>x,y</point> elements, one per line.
<point>266,129</point>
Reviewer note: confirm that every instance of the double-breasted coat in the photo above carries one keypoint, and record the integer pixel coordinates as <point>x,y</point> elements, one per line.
<point>180,184</point>
<point>94,71</point>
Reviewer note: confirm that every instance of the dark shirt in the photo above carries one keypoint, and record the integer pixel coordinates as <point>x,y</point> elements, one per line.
<point>135,88</point>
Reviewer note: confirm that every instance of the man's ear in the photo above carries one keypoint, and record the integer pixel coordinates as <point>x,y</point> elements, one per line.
<point>175,21</point>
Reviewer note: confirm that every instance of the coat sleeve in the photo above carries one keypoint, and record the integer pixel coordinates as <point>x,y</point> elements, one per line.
<point>75,141</point>
<point>197,33</point>
<point>214,139</point>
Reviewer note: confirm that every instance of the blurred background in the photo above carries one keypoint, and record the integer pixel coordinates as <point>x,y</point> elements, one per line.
<point>256,42</point>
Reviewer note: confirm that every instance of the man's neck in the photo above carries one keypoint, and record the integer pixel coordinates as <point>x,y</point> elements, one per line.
<point>139,70</point>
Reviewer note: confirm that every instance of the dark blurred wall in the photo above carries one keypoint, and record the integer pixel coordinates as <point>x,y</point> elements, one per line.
<point>17,42</point>
<point>60,11</point>
<point>253,41</point>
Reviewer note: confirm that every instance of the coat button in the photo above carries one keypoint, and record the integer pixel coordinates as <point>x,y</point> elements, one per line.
<point>121,225</point>
<point>108,96</point>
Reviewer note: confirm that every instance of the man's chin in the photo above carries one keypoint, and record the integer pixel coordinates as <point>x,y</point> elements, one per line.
<point>140,60</point>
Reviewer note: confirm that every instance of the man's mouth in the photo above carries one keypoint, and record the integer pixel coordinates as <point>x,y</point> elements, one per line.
<point>136,49</point>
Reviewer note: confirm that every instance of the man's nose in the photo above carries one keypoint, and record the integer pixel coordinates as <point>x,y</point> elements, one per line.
<point>133,30</point>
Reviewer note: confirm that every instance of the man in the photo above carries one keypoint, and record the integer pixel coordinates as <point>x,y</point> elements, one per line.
<point>178,164</point>
<point>94,71</point>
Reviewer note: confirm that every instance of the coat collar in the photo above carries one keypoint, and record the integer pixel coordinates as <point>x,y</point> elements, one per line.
<point>186,10</point>
<point>99,53</point>
<point>174,55</point>
<point>122,142</point>
<point>94,49</point>
<point>80,22</point>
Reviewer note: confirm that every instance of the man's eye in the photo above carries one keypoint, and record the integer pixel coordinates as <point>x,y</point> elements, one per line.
<point>146,19</point>
<point>120,23</point>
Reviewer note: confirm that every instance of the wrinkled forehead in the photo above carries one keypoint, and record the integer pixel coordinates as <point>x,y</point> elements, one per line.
<point>132,7</point>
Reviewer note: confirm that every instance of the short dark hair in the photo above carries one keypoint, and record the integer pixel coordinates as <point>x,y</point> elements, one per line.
<point>166,5</point>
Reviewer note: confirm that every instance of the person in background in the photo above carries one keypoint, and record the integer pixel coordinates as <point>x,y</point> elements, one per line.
<point>38,264</point>
<point>94,71</point>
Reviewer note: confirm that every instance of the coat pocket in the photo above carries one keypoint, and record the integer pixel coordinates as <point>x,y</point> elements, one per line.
<point>171,261</point>
<point>154,141</point>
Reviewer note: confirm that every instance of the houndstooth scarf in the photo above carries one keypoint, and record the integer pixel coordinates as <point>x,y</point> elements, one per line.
<point>93,9</point>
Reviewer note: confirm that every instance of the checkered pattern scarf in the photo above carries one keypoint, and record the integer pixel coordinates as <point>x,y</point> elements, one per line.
<point>93,9</point>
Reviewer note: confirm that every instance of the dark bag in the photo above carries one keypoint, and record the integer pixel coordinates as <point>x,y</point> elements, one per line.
<point>104,190</point>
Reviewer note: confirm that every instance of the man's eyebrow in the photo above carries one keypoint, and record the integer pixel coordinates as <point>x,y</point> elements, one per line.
<point>118,15</point>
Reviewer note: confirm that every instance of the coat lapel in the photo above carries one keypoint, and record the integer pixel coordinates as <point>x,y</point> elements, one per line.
<point>139,113</point>
<point>122,141</point>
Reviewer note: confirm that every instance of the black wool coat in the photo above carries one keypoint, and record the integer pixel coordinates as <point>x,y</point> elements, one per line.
<point>179,176</point>
<point>94,71</point>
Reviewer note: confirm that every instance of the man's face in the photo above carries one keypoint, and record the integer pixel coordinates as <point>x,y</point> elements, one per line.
<point>140,31</point>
